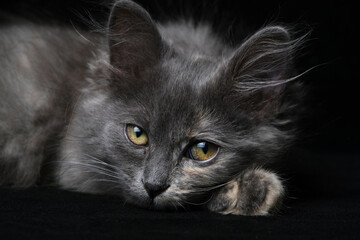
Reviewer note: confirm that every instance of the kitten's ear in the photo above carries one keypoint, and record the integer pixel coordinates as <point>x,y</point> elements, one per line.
<point>134,41</point>
<point>258,70</point>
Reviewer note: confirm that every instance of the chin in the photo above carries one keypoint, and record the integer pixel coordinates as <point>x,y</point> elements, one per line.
<point>160,203</point>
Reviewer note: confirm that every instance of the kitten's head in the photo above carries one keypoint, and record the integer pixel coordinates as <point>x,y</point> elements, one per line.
<point>162,128</point>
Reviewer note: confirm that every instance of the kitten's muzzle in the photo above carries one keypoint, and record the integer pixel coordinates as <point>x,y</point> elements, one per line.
<point>156,173</point>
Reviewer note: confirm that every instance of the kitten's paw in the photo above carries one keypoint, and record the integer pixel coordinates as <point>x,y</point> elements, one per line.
<point>255,192</point>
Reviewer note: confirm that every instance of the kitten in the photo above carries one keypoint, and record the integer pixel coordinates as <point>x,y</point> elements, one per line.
<point>160,115</point>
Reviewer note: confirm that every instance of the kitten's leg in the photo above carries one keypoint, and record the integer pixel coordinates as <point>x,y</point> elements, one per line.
<point>255,192</point>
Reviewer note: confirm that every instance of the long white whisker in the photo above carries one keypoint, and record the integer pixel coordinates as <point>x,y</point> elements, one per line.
<point>202,203</point>
<point>178,203</point>
<point>102,180</point>
<point>82,36</point>
<point>96,160</point>
<point>205,189</point>
<point>101,170</point>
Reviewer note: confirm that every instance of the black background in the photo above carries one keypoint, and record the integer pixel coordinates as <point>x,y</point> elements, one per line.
<point>322,171</point>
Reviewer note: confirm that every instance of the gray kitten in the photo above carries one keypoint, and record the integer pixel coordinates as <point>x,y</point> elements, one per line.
<point>161,115</point>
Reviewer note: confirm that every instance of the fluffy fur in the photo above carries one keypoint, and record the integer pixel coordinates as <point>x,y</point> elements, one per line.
<point>65,100</point>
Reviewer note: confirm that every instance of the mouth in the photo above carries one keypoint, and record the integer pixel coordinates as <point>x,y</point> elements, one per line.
<point>160,203</point>
<point>170,200</point>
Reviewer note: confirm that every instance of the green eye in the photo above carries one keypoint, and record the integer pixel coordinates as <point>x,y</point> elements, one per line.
<point>203,151</point>
<point>136,135</point>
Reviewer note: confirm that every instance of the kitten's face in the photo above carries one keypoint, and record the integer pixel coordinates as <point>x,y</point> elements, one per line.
<point>171,134</point>
<point>169,129</point>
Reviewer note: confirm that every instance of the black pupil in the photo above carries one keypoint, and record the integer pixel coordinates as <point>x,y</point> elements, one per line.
<point>138,132</point>
<point>204,146</point>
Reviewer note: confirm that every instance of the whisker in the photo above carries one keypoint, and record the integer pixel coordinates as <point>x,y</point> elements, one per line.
<point>97,160</point>
<point>174,205</point>
<point>102,180</point>
<point>205,189</point>
<point>178,203</point>
<point>102,170</point>
<point>199,204</point>
<point>81,35</point>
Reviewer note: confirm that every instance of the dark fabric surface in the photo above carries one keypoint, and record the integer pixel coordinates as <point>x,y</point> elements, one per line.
<point>323,203</point>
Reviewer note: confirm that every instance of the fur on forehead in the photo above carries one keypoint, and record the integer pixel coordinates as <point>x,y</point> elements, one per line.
<point>170,104</point>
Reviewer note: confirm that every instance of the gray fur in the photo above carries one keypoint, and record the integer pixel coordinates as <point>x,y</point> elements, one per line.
<point>66,98</point>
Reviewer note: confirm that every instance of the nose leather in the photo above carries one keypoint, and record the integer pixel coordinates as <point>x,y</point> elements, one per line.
<point>155,190</point>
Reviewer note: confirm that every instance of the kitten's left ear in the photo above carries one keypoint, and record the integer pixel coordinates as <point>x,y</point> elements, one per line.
<point>134,41</point>
<point>257,71</point>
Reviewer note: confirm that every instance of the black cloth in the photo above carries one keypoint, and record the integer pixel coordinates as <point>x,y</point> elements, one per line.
<point>322,203</point>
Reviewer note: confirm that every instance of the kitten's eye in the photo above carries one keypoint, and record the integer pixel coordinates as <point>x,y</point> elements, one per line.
<point>136,135</point>
<point>203,151</point>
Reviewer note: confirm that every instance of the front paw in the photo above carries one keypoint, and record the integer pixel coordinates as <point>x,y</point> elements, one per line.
<point>255,192</point>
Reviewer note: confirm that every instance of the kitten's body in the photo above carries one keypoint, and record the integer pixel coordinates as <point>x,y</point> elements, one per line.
<point>42,75</point>
<point>66,98</point>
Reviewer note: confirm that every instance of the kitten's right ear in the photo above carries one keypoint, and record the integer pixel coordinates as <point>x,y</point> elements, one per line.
<point>258,70</point>
<point>134,41</point>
